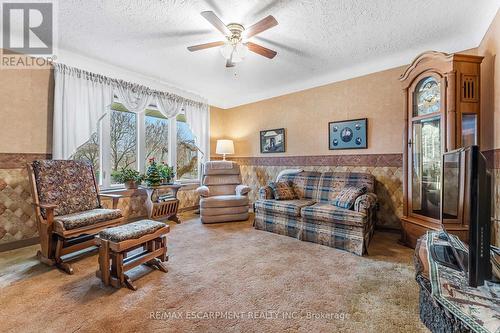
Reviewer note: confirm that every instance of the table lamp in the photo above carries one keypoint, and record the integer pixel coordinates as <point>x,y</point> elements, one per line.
<point>225,147</point>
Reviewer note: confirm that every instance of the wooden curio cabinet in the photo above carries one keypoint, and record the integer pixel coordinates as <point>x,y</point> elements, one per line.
<point>442,113</point>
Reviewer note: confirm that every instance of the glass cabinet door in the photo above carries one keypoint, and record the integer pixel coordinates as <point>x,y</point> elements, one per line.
<point>469,130</point>
<point>426,149</point>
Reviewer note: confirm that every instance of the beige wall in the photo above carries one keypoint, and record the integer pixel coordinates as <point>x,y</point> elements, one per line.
<point>305,116</point>
<point>490,86</point>
<point>26,104</point>
<point>216,126</point>
<point>490,109</point>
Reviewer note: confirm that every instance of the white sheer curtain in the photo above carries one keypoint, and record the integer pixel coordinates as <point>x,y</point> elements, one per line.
<point>198,119</point>
<point>168,105</point>
<point>81,99</point>
<point>135,98</point>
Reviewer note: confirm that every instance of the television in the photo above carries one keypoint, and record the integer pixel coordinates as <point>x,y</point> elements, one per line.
<point>466,199</point>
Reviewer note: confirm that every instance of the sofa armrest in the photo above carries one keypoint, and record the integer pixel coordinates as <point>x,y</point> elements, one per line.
<point>242,189</point>
<point>364,203</point>
<point>266,193</point>
<point>203,191</point>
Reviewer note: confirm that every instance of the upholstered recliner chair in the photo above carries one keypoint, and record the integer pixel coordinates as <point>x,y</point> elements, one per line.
<point>222,197</point>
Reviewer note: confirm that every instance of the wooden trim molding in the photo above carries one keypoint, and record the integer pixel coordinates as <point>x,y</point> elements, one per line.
<point>19,244</point>
<point>19,160</point>
<point>367,160</point>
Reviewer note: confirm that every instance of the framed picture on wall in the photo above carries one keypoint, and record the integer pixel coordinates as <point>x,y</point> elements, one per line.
<point>272,141</point>
<point>348,134</point>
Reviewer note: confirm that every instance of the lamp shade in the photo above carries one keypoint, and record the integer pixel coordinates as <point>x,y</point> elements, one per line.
<point>224,147</point>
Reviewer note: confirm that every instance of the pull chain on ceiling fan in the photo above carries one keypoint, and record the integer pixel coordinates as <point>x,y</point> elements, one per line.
<point>234,49</point>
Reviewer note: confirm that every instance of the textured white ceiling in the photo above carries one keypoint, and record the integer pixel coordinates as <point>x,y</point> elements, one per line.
<point>317,41</point>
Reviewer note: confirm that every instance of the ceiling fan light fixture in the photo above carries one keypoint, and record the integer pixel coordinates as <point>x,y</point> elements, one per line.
<point>239,53</point>
<point>235,52</point>
<point>234,49</point>
<point>226,50</point>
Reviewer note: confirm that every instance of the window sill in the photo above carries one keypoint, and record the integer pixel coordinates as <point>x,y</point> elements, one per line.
<point>124,192</point>
<point>187,186</point>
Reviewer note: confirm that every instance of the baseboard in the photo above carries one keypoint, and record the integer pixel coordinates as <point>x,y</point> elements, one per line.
<point>385,229</point>
<point>19,244</point>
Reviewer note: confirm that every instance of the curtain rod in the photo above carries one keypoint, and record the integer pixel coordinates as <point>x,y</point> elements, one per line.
<point>134,87</point>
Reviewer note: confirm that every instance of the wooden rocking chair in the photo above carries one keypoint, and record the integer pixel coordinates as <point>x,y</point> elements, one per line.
<point>68,210</point>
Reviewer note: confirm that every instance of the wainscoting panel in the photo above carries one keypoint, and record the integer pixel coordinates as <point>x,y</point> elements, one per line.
<point>496,203</point>
<point>134,206</point>
<point>387,169</point>
<point>17,216</point>
<point>493,159</point>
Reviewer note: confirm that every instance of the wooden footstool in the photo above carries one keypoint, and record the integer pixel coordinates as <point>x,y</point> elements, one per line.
<point>115,243</point>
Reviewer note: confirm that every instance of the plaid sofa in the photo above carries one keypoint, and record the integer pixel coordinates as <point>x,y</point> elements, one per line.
<point>312,218</point>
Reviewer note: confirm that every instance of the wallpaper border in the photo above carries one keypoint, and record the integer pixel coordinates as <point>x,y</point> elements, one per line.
<point>19,160</point>
<point>366,160</point>
<point>369,160</point>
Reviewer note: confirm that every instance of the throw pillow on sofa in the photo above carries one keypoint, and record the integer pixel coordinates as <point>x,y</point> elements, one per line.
<point>347,197</point>
<point>283,190</point>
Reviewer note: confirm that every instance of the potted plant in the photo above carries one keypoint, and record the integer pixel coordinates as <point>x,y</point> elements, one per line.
<point>153,176</point>
<point>131,178</point>
<point>166,172</point>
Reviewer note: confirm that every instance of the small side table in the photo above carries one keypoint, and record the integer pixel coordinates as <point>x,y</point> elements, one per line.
<point>162,202</point>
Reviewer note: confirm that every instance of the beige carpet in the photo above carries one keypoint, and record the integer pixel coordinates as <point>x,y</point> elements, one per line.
<point>222,278</point>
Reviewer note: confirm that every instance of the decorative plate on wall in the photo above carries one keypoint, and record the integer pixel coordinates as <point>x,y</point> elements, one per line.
<point>348,134</point>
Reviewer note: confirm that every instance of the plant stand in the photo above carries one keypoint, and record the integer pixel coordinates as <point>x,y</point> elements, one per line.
<point>162,202</point>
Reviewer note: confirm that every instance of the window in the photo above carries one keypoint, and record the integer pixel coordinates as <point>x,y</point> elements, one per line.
<point>129,140</point>
<point>156,136</point>
<point>90,152</point>
<point>123,138</point>
<point>187,153</point>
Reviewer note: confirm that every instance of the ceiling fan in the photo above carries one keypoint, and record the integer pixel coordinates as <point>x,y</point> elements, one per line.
<point>234,48</point>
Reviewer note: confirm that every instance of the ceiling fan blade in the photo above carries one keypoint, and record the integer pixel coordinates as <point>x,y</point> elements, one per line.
<point>204,46</point>
<point>263,25</point>
<point>216,22</point>
<point>263,51</point>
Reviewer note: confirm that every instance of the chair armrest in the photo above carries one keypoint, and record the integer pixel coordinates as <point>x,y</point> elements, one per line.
<point>46,206</point>
<point>114,197</point>
<point>266,193</point>
<point>365,202</point>
<point>49,211</point>
<point>203,191</point>
<point>242,189</point>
